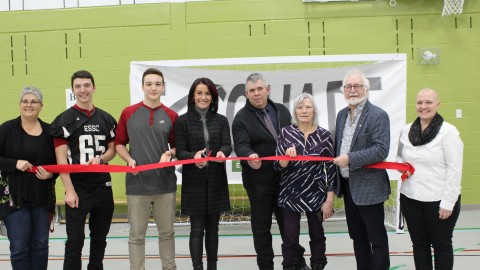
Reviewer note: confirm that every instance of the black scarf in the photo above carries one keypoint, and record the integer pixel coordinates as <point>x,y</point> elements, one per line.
<point>417,137</point>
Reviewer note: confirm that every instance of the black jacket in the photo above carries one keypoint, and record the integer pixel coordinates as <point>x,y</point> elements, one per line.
<point>251,135</point>
<point>204,191</point>
<point>24,185</point>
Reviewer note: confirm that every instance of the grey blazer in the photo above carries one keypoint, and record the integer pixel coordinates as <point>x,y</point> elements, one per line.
<point>370,144</point>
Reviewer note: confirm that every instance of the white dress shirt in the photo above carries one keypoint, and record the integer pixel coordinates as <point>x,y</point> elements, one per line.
<point>438,167</point>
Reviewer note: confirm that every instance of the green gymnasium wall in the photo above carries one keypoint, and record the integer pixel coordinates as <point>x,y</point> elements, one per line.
<point>44,47</point>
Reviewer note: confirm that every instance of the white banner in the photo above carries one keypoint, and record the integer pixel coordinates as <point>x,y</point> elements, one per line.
<point>387,88</point>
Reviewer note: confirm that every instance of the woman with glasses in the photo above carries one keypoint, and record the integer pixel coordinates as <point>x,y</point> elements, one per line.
<point>305,186</point>
<point>27,199</point>
<point>202,131</point>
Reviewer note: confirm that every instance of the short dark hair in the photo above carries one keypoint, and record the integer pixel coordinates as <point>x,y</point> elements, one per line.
<point>211,88</point>
<point>152,71</point>
<point>84,75</point>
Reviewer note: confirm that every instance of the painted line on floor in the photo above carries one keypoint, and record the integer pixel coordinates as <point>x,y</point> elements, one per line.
<point>398,266</point>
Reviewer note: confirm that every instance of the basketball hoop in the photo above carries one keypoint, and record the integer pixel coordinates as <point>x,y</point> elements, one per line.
<point>452,7</point>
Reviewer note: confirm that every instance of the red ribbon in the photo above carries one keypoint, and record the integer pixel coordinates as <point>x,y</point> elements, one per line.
<point>77,168</point>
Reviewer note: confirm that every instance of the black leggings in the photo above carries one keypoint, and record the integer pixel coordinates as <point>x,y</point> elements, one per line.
<point>204,225</point>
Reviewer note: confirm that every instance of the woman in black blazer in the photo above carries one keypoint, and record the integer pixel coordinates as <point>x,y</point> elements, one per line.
<point>199,132</point>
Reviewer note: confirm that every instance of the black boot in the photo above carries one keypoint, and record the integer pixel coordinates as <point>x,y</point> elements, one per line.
<point>319,265</point>
<point>211,243</point>
<point>196,250</point>
<point>211,265</point>
<point>302,264</point>
<point>196,253</point>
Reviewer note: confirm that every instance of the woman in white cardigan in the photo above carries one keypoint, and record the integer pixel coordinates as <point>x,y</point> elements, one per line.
<point>430,198</point>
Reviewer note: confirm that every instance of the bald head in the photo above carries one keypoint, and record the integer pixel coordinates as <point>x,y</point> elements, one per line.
<point>431,93</point>
<point>427,104</point>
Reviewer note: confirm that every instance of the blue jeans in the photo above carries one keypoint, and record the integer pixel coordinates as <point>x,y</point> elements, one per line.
<point>27,231</point>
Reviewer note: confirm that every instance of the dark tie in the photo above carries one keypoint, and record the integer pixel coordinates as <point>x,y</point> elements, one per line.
<point>269,123</point>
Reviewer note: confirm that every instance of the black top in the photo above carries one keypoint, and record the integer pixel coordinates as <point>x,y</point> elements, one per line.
<point>251,135</point>
<point>88,135</point>
<point>24,188</point>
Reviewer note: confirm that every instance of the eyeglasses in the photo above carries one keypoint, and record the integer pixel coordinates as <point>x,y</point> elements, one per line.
<point>31,102</point>
<point>357,87</point>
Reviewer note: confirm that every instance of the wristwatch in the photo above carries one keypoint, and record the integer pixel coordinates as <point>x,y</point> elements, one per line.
<point>101,160</point>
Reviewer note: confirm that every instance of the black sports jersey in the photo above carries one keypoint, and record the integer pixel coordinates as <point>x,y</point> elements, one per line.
<point>87,136</point>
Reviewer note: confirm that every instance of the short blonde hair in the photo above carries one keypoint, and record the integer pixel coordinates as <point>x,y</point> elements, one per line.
<point>299,100</point>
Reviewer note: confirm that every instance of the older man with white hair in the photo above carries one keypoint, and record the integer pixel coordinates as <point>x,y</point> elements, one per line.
<point>363,138</point>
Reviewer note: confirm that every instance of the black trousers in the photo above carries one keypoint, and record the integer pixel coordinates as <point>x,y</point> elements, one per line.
<point>291,248</point>
<point>98,203</point>
<point>263,203</point>
<point>367,230</point>
<point>204,225</point>
<point>427,230</point>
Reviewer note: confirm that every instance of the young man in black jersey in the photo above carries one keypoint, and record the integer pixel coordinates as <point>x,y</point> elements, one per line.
<point>84,134</point>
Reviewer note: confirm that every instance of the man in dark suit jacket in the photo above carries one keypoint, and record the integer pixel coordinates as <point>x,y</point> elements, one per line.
<point>363,138</point>
<point>254,137</point>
